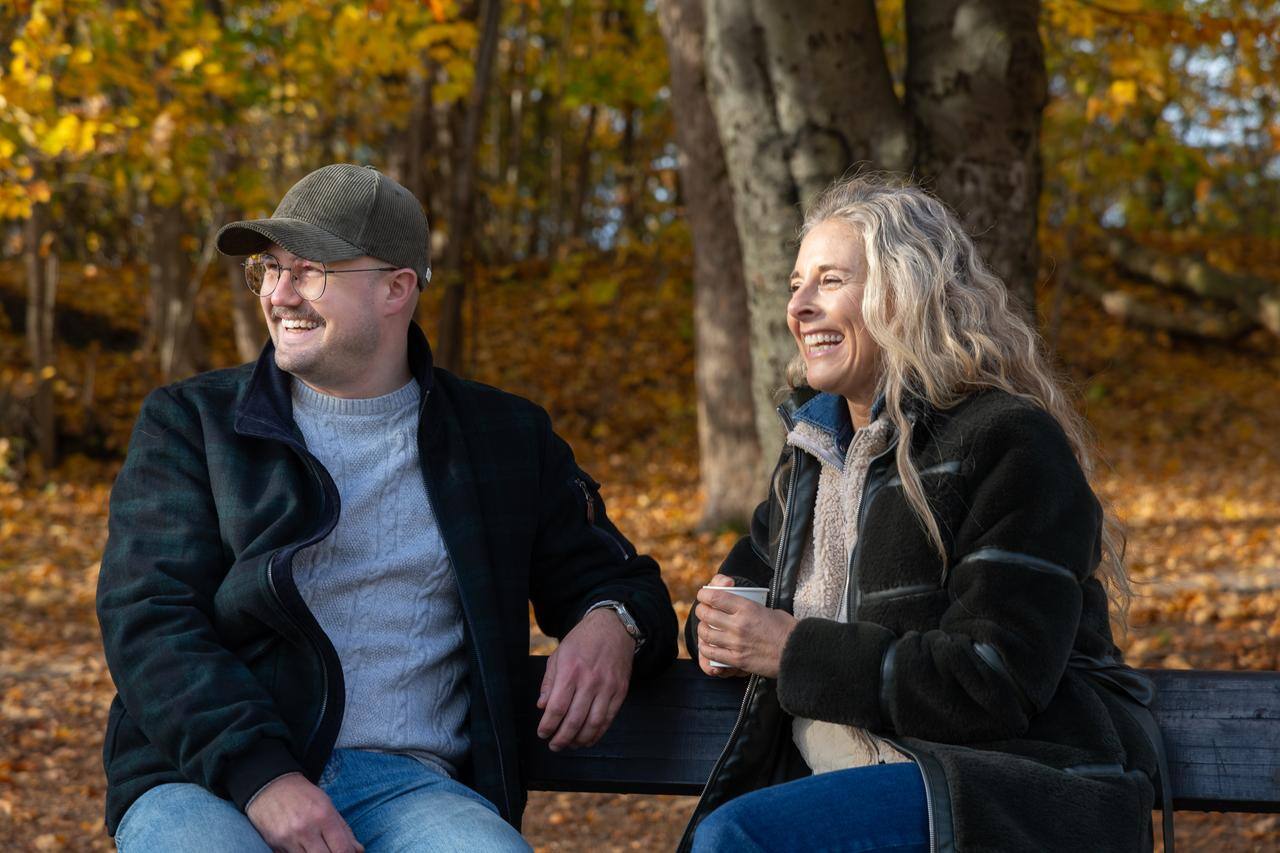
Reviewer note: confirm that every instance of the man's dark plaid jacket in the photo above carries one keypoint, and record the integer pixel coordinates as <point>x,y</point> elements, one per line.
<point>224,677</point>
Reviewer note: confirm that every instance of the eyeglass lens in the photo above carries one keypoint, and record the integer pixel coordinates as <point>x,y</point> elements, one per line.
<point>263,274</point>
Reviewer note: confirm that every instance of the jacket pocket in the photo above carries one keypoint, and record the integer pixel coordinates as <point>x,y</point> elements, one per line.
<point>588,492</point>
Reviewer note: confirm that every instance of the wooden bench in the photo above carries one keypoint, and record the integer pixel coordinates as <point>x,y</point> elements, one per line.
<point>1221,730</point>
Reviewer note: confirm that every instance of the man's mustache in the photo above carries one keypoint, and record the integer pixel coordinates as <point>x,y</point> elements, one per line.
<point>279,314</point>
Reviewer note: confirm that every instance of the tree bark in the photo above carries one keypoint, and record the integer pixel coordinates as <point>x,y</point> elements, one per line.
<point>246,313</point>
<point>582,177</point>
<point>449,338</point>
<point>172,333</point>
<point>800,91</point>
<point>728,446</point>
<point>41,263</point>
<point>513,142</point>
<point>976,89</point>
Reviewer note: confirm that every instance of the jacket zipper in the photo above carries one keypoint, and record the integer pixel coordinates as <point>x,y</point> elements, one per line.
<point>774,586</point>
<point>324,670</point>
<point>303,629</point>
<point>928,793</point>
<point>591,518</point>
<point>475,647</point>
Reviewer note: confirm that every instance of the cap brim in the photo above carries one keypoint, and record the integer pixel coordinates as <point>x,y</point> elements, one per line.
<point>301,238</point>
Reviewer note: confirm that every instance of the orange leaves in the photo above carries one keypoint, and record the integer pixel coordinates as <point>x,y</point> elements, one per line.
<point>1188,432</point>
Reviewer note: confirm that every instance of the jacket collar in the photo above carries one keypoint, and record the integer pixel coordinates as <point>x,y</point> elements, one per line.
<point>266,407</point>
<point>830,414</point>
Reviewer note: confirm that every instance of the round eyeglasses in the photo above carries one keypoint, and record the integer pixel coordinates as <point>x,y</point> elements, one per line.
<point>262,274</point>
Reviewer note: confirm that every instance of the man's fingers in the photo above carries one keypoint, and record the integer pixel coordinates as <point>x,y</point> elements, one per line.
<point>573,720</point>
<point>548,680</point>
<point>339,839</point>
<point>557,704</point>
<point>611,712</point>
<point>603,708</point>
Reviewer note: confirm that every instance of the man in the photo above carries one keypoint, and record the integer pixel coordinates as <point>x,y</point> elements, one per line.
<point>315,589</point>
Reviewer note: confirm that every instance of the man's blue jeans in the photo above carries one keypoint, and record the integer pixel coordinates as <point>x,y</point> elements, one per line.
<point>391,803</point>
<point>879,808</point>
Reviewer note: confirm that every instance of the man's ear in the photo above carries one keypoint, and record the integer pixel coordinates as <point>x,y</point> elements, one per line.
<point>402,289</point>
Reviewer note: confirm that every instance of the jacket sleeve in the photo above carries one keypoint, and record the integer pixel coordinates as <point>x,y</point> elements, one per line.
<point>745,563</point>
<point>1031,537</point>
<point>191,696</point>
<point>580,558</point>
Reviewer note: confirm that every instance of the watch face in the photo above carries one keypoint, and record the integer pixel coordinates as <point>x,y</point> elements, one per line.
<point>627,622</point>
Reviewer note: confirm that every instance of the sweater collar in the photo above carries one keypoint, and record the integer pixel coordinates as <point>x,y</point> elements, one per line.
<point>266,407</point>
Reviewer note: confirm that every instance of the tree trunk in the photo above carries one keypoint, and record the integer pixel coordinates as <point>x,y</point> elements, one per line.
<point>582,183</point>
<point>800,93</point>
<point>538,236</point>
<point>449,336</point>
<point>975,91</point>
<point>558,186</point>
<point>513,143</point>
<point>174,283</point>
<point>246,312</point>
<point>41,261</point>
<point>630,174</point>
<point>417,138</point>
<point>728,447</point>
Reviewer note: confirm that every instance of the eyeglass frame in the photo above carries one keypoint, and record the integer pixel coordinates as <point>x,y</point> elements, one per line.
<point>324,268</point>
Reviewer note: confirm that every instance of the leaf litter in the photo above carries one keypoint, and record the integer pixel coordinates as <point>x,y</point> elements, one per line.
<point>1187,431</point>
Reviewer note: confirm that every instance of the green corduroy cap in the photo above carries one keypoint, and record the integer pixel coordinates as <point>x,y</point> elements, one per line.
<point>339,212</point>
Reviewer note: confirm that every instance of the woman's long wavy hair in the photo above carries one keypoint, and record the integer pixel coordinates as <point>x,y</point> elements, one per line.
<point>946,328</point>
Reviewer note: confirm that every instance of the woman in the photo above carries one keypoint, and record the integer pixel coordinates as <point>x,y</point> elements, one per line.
<point>936,668</point>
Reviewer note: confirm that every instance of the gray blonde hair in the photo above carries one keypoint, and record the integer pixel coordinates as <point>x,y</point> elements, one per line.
<point>946,328</point>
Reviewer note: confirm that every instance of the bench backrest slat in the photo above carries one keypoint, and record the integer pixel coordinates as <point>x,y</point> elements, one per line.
<point>1221,729</point>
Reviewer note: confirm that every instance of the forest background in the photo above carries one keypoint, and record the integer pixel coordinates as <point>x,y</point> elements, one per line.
<point>613,186</point>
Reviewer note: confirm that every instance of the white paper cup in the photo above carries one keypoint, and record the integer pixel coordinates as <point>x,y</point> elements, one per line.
<point>758,594</point>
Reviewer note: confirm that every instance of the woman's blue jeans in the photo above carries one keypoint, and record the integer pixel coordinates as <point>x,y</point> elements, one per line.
<point>391,802</point>
<point>878,808</point>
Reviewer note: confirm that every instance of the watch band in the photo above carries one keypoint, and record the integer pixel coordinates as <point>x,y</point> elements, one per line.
<point>624,616</point>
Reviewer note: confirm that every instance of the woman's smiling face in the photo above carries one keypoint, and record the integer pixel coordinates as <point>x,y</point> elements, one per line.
<point>825,313</point>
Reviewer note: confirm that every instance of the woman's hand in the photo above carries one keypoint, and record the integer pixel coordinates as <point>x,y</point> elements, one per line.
<point>704,662</point>
<point>736,631</point>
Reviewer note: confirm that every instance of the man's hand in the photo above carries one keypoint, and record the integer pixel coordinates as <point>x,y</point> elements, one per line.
<point>294,816</point>
<point>736,631</point>
<point>586,680</point>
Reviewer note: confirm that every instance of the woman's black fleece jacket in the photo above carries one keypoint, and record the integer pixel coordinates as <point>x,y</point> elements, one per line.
<point>970,667</point>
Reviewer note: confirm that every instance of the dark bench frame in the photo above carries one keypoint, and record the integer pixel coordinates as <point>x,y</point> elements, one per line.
<point>1221,731</point>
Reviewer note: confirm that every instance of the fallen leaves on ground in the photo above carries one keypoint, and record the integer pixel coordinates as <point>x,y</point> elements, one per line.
<point>1187,430</point>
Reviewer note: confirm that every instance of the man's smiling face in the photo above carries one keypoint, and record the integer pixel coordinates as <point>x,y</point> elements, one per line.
<point>328,342</point>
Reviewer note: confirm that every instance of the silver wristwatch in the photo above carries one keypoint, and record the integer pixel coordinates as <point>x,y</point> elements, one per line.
<point>628,623</point>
